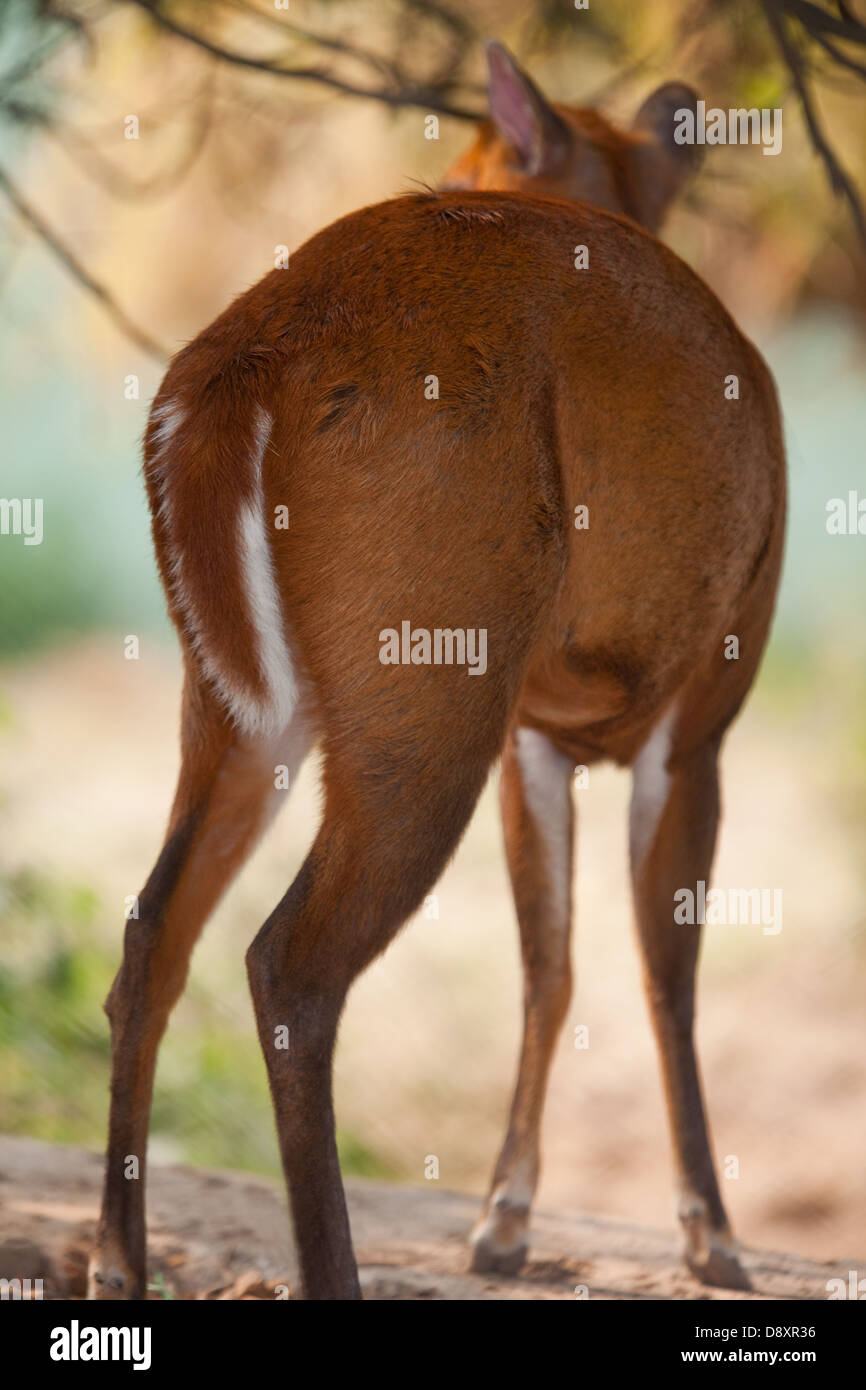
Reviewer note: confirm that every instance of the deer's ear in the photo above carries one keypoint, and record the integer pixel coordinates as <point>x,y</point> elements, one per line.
<point>668,156</point>
<point>668,116</point>
<point>522,116</point>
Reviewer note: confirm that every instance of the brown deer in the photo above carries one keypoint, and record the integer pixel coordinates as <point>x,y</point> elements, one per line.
<point>580,365</point>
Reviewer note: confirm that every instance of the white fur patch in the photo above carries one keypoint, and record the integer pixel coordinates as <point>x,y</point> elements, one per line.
<point>519,1187</point>
<point>169,417</point>
<point>546,776</point>
<point>289,749</point>
<point>651,784</point>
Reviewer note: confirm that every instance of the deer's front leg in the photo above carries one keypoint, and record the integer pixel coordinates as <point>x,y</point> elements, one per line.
<point>537,817</point>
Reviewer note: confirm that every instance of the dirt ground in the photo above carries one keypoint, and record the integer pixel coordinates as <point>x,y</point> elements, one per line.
<point>226,1236</point>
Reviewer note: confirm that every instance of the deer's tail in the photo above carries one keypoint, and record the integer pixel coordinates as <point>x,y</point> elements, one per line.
<point>206,470</point>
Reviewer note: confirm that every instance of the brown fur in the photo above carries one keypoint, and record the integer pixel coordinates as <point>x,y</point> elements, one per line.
<point>558,387</point>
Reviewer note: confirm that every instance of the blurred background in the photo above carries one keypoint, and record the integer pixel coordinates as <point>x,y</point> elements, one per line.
<point>257,124</point>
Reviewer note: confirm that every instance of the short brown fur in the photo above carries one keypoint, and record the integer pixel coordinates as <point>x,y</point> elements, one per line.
<point>558,388</point>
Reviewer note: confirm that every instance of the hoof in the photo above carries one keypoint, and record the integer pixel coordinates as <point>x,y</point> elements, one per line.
<point>500,1240</point>
<point>110,1281</point>
<point>720,1268</point>
<point>710,1253</point>
<point>487,1259</point>
<point>491,1257</point>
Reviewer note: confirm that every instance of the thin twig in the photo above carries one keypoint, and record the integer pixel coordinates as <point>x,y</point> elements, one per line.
<point>815,20</point>
<point>839,180</point>
<point>88,156</point>
<point>33,62</point>
<point>71,262</point>
<point>419,97</point>
<point>838,56</point>
<point>374,60</point>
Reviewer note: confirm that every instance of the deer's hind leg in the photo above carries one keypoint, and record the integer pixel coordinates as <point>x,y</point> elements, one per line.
<point>224,795</point>
<point>672,835</point>
<point>395,809</point>
<point>674,819</point>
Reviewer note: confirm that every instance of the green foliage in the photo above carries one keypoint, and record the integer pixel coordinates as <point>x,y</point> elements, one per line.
<point>211,1104</point>
<point>159,1286</point>
<point>358,1159</point>
<point>53,1039</point>
<point>50,591</point>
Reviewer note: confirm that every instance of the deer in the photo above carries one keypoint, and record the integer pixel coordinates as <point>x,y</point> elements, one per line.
<point>580,369</point>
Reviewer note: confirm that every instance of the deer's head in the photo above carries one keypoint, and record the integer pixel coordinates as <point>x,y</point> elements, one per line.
<point>532,145</point>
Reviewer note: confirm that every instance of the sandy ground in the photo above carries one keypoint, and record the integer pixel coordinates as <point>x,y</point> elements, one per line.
<point>225,1236</point>
<point>429,1040</point>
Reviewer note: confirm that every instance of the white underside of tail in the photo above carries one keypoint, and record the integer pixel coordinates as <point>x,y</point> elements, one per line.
<point>259,717</point>
<point>263,598</point>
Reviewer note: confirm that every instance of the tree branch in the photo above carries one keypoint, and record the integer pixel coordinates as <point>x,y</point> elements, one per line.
<point>87,156</point>
<point>815,20</point>
<point>839,180</point>
<point>364,55</point>
<point>838,56</point>
<point>78,272</point>
<point>420,97</point>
